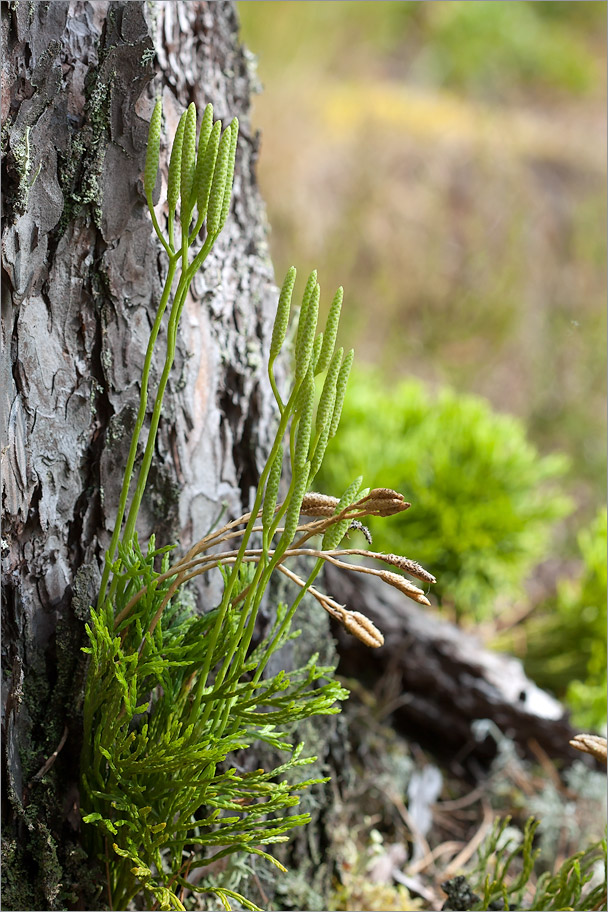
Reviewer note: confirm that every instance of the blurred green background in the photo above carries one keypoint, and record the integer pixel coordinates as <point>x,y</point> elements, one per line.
<point>446,163</point>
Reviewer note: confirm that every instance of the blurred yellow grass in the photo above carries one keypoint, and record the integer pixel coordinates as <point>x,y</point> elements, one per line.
<point>347,107</point>
<point>468,230</point>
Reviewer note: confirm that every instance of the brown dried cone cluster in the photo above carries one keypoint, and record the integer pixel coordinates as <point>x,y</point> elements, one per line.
<point>322,509</point>
<point>379,502</point>
<point>591,744</point>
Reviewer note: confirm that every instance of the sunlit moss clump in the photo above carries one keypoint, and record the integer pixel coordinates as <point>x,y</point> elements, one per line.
<point>484,500</point>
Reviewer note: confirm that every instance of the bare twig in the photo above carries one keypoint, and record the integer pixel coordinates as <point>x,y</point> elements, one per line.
<point>48,763</point>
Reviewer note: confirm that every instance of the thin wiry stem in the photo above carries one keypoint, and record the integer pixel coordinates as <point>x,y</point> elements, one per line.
<point>139,422</point>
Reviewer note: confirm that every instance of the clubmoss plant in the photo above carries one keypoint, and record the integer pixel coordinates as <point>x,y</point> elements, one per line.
<point>505,875</point>
<point>170,694</point>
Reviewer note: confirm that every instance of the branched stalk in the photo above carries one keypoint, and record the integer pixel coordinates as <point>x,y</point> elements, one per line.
<point>228,589</point>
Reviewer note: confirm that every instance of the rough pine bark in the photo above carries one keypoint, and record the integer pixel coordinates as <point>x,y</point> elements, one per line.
<point>82,276</point>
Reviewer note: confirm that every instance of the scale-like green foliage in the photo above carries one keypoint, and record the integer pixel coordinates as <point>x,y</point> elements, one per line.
<point>156,786</point>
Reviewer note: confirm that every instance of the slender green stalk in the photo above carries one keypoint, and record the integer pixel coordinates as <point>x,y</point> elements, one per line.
<point>180,293</point>
<point>229,587</point>
<point>288,618</point>
<point>176,310</point>
<point>139,422</point>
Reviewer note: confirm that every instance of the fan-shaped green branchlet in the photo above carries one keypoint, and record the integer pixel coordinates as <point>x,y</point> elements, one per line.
<point>188,163</point>
<point>336,533</point>
<point>175,165</point>
<point>272,489</point>
<point>316,351</point>
<point>234,135</point>
<point>153,151</point>
<point>205,168</point>
<point>341,391</point>
<point>331,331</point>
<point>292,516</point>
<point>304,430</point>
<point>216,197</point>
<point>328,393</point>
<point>306,335</point>
<point>281,321</point>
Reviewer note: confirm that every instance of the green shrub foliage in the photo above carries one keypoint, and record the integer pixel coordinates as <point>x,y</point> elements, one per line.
<point>566,639</point>
<point>483,500</point>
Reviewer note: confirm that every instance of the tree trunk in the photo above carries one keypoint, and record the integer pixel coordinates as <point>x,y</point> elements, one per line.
<point>81,283</point>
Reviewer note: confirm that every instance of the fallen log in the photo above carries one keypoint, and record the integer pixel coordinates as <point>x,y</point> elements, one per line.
<point>447,682</point>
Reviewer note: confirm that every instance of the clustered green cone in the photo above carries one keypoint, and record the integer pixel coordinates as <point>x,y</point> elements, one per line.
<point>306,333</point>
<point>198,179</point>
<point>331,331</point>
<point>175,166</point>
<point>327,401</point>
<point>188,164</point>
<point>341,385</point>
<point>153,151</point>
<point>292,516</point>
<point>216,198</point>
<point>314,353</point>
<point>272,488</point>
<point>281,320</point>
<point>304,429</point>
<point>234,134</point>
<point>205,167</point>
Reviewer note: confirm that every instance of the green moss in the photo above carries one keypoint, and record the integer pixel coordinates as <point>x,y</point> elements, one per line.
<point>18,888</point>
